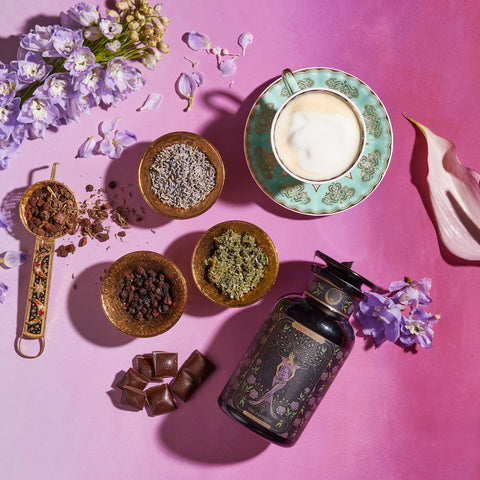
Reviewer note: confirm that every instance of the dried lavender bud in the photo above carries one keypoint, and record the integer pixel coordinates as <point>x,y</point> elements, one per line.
<point>236,265</point>
<point>182,175</point>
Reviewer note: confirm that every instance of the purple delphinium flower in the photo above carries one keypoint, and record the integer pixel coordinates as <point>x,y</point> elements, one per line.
<point>80,15</point>
<point>80,62</point>
<point>120,79</point>
<point>198,41</point>
<point>79,104</point>
<point>31,69</point>
<point>109,27</point>
<point>38,113</point>
<point>412,293</point>
<point>13,258</point>
<point>64,41</point>
<point>380,317</point>
<point>92,82</point>
<point>8,116</point>
<point>8,85</point>
<point>114,148</point>
<point>3,291</point>
<point>418,328</point>
<point>38,40</point>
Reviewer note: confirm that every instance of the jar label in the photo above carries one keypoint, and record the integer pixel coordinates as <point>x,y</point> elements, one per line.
<point>330,296</point>
<point>287,377</point>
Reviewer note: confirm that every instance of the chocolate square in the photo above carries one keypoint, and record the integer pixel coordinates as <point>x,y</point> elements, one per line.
<point>198,366</point>
<point>133,378</point>
<point>165,364</point>
<point>134,397</point>
<point>160,400</point>
<point>145,366</point>
<point>183,386</point>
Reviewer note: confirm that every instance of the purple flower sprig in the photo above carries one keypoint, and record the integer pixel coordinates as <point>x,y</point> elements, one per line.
<point>395,315</point>
<point>63,70</point>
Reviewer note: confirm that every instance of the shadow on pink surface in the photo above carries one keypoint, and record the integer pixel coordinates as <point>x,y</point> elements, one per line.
<point>88,317</point>
<point>212,437</point>
<point>197,305</point>
<point>226,133</point>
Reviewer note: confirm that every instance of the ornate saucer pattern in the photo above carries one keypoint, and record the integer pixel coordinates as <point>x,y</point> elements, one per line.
<point>331,197</point>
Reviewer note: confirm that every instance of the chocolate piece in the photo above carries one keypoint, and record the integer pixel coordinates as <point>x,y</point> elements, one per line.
<point>160,400</point>
<point>192,373</point>
<point>145,367</point>
<point>133,378</point>
<point>134,397</point>
<point>165,364</point>
<point>198,366</point>
<point>183,386</point>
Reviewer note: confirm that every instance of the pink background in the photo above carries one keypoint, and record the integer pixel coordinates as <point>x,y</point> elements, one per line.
<point>389,414</point>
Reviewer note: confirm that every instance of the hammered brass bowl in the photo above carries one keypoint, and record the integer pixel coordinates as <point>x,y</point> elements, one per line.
<point>204,249</point>
<point>112,284</point>
<point>145,181</point>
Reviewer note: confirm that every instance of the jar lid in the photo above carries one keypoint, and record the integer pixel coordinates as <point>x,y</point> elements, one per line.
<point>342,275</point>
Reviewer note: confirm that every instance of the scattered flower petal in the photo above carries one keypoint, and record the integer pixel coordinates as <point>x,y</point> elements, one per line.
<point>198,41</point>
<point>152,102</point>
<point>3,290</point>
<point>454,196</point>
<point>244,40</point>
<point>87,148</point>
<point>107,126</point>
<point>188,84</point>
<point>3,222</point>
<point>227,67</point>
<point>13,258</point>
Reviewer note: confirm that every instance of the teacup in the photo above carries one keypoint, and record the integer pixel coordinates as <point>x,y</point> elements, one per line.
<point>318,134</point>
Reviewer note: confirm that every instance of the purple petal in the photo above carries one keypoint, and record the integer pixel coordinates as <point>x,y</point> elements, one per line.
<point>187,85</point>
<point>198,77</point>
<point>14,259</point>
<point>108,126</point>
<point>227,67</point>
<point>3,222</point>
<point>244,40</point>
<point>106,147</point>
<point>3,290</point>
<point>87,148</point>
<point>124,138</point>
<point>198,41</point>
<point>152,102</point>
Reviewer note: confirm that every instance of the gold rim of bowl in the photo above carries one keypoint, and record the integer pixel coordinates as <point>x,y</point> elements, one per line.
<point>145,182</point>
<point>112,284</point>
<point>204,248</point>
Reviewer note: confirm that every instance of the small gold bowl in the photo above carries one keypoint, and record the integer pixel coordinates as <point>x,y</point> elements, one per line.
<point>204,249</point>
<point>112,285</point>
<point>145,181</point>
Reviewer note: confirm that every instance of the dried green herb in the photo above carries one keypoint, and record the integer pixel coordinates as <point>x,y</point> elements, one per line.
<point>236,265</point>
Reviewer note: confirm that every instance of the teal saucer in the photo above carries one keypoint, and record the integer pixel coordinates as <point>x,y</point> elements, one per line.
<point>339,194</point>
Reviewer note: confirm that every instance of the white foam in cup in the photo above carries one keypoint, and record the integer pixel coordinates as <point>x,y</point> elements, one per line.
<point>317,135</point>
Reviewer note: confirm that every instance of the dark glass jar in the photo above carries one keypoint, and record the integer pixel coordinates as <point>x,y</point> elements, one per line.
<point>296,355</point>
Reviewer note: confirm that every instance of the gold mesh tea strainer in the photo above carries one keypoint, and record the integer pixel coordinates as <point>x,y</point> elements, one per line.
<point>48,210</point>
